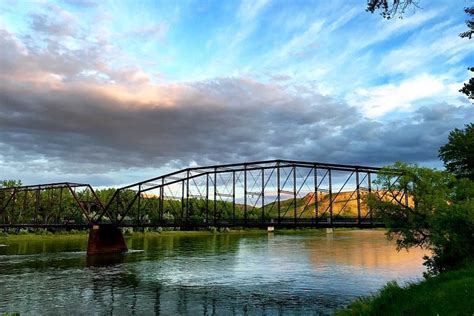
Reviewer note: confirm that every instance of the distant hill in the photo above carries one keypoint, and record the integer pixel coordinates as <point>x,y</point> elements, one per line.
<point>344,204</point>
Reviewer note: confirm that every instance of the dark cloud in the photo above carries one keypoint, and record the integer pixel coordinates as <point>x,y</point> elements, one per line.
<point>67,126</point>
<point>91,132</point>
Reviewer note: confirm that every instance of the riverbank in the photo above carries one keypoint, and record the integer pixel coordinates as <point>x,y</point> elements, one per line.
<point>25,235</point>
<point>450,293</point>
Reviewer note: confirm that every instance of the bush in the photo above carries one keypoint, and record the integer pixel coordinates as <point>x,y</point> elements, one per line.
<point>439,215</point>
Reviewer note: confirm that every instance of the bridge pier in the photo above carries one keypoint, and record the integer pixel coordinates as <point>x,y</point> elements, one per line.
<point>105,239</point>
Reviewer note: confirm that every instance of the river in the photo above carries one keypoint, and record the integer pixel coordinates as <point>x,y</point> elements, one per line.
<point>220,274</point>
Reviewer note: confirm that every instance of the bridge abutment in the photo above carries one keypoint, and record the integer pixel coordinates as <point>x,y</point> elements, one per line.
<point>105,239</point>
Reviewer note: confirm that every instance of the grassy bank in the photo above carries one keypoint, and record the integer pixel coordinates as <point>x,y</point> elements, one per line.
<point>24,235</point>
<point>450,293</point>
<point>43,235</point>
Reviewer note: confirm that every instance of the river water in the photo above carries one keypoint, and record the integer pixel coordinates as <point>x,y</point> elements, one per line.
<point>220,274</point>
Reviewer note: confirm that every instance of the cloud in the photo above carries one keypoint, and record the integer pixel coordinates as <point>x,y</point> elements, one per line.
<point>96,128</point>
<point>249,9</point>
<point>82,3</point>
<point>154,31</point>
<point>71,104</point>
<point>224,120</point>
<point>56,22</point>
<point>383,99</point>
<point>436,47</point>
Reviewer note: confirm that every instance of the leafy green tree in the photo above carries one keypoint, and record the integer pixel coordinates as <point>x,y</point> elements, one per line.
<point>10,183</point>
<point>458,153</point>
<point>439,215</point>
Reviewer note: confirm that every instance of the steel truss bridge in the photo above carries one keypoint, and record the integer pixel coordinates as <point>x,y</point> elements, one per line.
<point>279,193</point>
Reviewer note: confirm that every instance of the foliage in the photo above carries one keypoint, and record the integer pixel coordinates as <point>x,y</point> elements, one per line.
<point>468,88</point>
<point>458,153</point>
<point>390,8</point>
<point>469,23</point>
<point>450,293</point>
<point>10,183</point>
<point>439,214</point>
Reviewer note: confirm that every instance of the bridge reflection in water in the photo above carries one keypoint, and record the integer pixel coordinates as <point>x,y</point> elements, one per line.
<point>278,193</point>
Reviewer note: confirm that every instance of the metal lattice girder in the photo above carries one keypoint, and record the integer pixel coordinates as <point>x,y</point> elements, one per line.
<point>50,206</point>
<point>215,185</point>
<point>46,186</point>
<point>280,191</point>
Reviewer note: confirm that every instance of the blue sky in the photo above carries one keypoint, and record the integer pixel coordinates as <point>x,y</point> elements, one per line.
<point>113,91</point>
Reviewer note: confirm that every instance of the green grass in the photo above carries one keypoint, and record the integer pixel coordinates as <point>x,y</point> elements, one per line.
<point>85,233</point>
<point>32,236</point>
<point>450,293</point>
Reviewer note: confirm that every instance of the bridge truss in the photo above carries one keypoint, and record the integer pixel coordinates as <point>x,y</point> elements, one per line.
<point>49,205</point>
<point>281,193</point>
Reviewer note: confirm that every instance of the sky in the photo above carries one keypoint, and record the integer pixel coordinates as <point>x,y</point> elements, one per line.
<point>113,92</point>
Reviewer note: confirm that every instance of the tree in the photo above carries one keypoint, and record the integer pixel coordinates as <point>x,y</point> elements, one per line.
<point>394,7</point>
<point>439,215</point>
<point>390,8</point>
<point>10,183</point>
<point>458,153</point>
<point>468,88</point>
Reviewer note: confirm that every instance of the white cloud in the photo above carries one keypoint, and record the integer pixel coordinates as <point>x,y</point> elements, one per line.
<point>249,9</point>
<point>435,48</point>
<point>379,100</point>
<point>300,41</point>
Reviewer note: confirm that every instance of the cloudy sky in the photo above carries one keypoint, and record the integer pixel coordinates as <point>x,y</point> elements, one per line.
<point>112,92</point>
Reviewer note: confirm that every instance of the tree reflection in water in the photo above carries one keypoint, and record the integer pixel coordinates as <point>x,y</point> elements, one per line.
<point>215,274</point>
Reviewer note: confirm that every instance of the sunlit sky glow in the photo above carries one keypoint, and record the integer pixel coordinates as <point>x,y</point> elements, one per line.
<point>111,92</point>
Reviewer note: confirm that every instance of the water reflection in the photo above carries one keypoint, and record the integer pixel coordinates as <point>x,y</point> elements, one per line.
<point>364,250</point>
<point>104,260</point>
<point>210,275</point>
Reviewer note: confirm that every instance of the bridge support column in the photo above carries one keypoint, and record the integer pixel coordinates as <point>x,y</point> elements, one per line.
<point>105,239</point>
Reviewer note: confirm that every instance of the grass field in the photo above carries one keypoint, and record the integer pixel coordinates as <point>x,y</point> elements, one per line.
<point>450,293</point>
